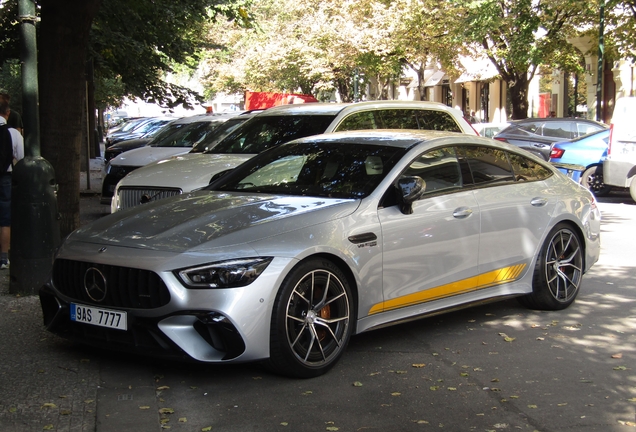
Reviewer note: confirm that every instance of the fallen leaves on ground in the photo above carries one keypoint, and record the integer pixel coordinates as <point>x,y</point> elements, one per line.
<point>506,337</point>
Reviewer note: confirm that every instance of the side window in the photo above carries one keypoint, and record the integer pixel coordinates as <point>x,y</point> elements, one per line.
<point>396,119</point>
<point>585,128</point>
<point>526,169</point>
<point>487,165</point>
<point>438,168</point>
<point>358,121</point>
<point>532,127</point>
<point>437,120</point>
<point>558,130</point>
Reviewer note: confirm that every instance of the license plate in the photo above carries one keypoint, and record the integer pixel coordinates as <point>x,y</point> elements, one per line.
<point>99,317</point>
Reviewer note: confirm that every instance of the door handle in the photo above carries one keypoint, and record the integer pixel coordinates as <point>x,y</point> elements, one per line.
<point>462,212</point>
<point>538,202</point>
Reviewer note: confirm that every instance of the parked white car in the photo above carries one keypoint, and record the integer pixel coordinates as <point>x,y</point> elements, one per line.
<point>177,138</point>
<point>619,168</point>
<point>276,126</point>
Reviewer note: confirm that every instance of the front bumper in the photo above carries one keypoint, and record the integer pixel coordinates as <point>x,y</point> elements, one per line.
<point>164,318</point>
<point>114,173</point>
<point>207,335</point>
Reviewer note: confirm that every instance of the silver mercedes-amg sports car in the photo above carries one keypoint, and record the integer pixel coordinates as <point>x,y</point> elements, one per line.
<point>286,257</point>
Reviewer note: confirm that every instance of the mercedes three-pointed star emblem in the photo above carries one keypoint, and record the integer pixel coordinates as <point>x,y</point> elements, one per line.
<point>95,284</point>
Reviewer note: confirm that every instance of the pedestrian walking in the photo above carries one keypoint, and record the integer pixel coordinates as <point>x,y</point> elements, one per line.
<point>11,151</point>
<point>15,119</point>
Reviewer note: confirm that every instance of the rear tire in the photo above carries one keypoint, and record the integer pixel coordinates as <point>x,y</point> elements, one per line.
<point>592,179</point>
<point>558,271</point>
<point>311,320</point>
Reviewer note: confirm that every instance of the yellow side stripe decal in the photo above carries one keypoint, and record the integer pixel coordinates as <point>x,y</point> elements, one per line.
<point>492,278</point>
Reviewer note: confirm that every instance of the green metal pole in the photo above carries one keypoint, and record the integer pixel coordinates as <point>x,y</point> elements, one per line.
<point>601,52</point>
<point>35,231</point>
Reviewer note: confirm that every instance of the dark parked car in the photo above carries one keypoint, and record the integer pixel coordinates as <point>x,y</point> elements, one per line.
<point>154,136</point>
<point>589,151</point>
<point>137,130</point>
<point>537,135</point>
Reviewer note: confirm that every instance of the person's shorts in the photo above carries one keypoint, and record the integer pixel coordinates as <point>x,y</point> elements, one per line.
<point>5,200</point>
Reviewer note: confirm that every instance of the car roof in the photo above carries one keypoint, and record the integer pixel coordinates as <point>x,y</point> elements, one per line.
<point>206,117</point>
<point>399,138</point>
<point>556,119</point>
<point>319,108</point>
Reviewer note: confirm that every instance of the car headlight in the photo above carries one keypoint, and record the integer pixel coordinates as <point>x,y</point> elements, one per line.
<point>224,274</point>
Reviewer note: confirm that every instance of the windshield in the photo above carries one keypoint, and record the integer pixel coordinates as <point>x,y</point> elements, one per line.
<point>219,133</point>
<point>186,134</point>
<point>263,132</point>
<point>321,169</point>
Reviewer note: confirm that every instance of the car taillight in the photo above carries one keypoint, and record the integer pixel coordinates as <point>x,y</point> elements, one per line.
<point>501,139</point>
<point>609,143</point>
<point>556,153</point>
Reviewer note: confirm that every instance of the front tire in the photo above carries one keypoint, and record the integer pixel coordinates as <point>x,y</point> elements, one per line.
<point>311,320</point>
<point>592,179</point>
<point>558,271</point>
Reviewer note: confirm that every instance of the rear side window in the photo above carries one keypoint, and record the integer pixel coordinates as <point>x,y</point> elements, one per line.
<point>586,128</point>
<point>400,119</point>
<point>558,130</point>
<point>485,165</point>
<point>359,121</point>
<point>526,169</point>
<point>531,127</point>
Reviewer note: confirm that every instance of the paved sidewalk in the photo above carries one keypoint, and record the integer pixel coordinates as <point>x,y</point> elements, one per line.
<point>46,383</point>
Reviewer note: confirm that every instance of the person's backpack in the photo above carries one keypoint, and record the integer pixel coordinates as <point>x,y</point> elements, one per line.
<point>6,149</point>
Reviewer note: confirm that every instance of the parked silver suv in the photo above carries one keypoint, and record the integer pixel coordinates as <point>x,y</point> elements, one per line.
<point>276,126</point>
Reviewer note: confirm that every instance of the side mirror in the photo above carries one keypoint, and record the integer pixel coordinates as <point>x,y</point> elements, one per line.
<point>411,189</point>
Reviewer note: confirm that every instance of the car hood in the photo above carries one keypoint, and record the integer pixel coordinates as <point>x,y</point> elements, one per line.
<point>145,155</point>
<point>206,219</point>
<point>187,172</point>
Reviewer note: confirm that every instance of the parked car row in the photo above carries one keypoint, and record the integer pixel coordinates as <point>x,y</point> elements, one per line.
<point>274,126</point>
<point>560,140</point>
<point>178,137</point>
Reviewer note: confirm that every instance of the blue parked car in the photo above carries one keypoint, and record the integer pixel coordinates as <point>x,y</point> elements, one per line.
<point>590,151</point>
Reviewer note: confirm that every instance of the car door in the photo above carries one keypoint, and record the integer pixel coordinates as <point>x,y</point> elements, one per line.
<point>431,253</point>
<point>515,209</point>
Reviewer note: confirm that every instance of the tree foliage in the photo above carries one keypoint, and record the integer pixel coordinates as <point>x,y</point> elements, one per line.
<point>520,35</point>
<point>621,25</point>
<point>132,44</point>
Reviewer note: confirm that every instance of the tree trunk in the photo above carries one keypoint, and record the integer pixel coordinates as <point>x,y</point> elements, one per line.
<point>518,88</point>
<point>63,45</point>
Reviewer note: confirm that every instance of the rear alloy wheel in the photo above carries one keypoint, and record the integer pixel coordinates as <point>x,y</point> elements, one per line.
<point>558,271</point>
<point>311,322</point>
<point>592,179</point>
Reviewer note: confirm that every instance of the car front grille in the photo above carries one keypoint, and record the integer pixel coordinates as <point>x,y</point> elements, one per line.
<point>131,197</point>
<point>125,287</point>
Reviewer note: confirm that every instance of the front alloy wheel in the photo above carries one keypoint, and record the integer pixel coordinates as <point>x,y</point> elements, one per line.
<point>311,324</point>
<point>558,272</point>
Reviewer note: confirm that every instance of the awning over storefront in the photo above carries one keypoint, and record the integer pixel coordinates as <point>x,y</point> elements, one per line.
<point>483,70</point>
<point>435,79</point>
